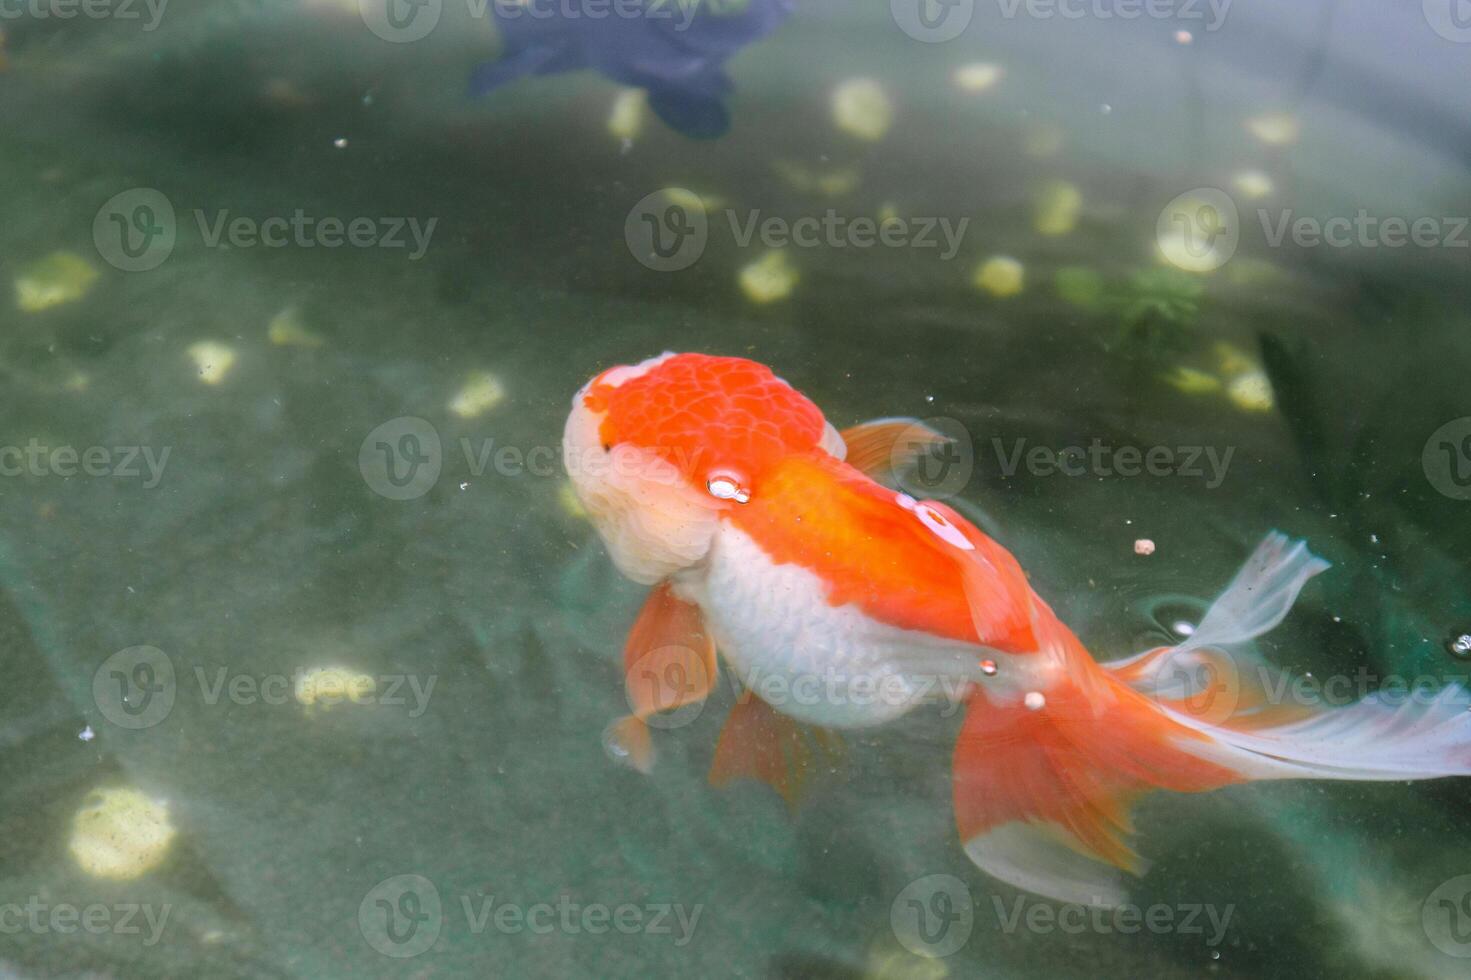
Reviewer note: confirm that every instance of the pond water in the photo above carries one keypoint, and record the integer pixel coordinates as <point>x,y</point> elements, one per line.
<point>309,644</point>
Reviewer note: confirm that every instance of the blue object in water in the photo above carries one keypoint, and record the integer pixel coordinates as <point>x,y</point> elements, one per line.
<point>673,49</point>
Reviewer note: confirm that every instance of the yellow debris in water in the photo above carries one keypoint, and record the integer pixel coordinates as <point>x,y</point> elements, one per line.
<point>327,686</point>
<point>1275,128</point>
<point>1194,234</point>
<point>887,960</point>
<point>78,381</point>
<point>626,119</point>
<point>1252,392</point>
<point>769,278</point>
<point>887,212</point>
<point>482,391</point>
<point>1056,208</point>
<point>287,329</point>
<point>1193,381</point>
<point>862,108</point>
<point>833,183</point>
<point>1253,184</point>
<point>1001,276</point>
<point>120,834</point>
<point>213,360</point>
<point>1043,140</point>
<point>976,76</point>
<point>567,499</point>
<point>836,183</point>
<point>1232,359</point>
<point>61,277</point>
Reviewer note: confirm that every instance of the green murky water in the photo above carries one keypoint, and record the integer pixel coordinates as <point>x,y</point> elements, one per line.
<point>247,244</point>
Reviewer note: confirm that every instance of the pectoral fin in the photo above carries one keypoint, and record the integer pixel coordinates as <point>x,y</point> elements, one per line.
<point>669,664</point>
<point>885,448</point>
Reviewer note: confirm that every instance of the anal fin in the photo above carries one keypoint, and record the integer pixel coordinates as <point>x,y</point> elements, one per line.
<point>760,743</point>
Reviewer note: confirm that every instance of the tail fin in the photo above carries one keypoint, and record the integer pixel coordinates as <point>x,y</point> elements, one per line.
<point>1044,785</point>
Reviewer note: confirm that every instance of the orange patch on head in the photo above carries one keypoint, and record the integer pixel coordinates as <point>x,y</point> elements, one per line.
<point>700,412</point>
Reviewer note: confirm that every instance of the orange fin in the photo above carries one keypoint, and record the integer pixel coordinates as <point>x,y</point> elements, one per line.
<point>758,742</point>
<point>1044,783</point>
<point>669,664</point>
<point>627,740</point>
<point>885,448</point>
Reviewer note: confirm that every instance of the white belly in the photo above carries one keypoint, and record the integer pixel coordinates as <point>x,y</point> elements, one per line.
<point>825,665</point>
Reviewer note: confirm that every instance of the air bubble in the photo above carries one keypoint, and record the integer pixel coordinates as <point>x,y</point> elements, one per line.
<point>988,667</point>
<point>725,487</point>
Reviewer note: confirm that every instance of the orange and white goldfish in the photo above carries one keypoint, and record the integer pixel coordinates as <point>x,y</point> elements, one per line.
<point>766,537</point>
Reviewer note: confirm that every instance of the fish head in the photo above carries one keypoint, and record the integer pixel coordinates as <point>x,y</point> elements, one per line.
<point>659,452</point>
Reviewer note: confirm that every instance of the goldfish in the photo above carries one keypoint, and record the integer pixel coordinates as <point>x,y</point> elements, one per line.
<point>776,544</point>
